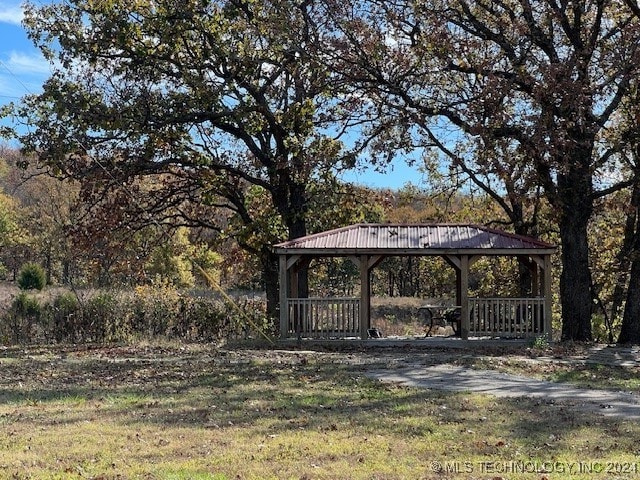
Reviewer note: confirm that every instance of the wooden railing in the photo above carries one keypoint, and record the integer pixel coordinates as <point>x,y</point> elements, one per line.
<point>488,317</point>
<point>506,317</point>
<point>324,317</point>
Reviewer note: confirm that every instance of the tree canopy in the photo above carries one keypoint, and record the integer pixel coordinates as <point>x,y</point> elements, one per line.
<point>172,112</point>
<point>525,92</point>
<point>213,96</point>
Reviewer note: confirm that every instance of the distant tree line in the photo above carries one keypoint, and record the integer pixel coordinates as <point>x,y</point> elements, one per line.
<point>173,257</point>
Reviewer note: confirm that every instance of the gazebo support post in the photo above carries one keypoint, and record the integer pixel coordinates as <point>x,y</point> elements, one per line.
<point>458,286</point>
<point>284,293</point>
<point>365,296</point>
<point>548,303</point>
<point>543,272</point>
<point>289,268</point>
<point>365,264</point>
<point>465,326</point>
<point>461,264</point>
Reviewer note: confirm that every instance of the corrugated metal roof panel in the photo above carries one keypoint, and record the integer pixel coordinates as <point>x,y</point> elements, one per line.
<point>414,237</point>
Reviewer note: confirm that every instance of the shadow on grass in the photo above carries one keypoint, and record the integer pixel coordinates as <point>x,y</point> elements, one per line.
<point>276,392</point>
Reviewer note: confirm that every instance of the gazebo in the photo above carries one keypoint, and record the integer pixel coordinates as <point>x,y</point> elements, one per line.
<point>460,245</point>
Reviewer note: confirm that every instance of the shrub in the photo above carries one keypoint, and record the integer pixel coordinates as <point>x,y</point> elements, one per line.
<point>24,313</point>
<point>203,319</point>
<point>541,342</point>
<point>32,277</point>
<point>103,318</point>
<point>146,313</point>
<point>157,308</point>
<point>66,316</point>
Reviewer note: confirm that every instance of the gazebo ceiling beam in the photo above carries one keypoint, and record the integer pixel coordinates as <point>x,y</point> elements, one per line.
<point>292,260</point>
<point>372,262</point>
<point>453,261</point>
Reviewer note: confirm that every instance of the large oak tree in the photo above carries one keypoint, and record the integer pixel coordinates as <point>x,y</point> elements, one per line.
<point>541,80</point>
<point>224,96</point>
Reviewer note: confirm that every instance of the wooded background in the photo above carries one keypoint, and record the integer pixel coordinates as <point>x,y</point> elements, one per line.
<point>209,130</point>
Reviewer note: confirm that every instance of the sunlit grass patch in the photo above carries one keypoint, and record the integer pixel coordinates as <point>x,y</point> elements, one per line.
<point>262,415</point>
<point>128,401</point>
<point>188,474</point>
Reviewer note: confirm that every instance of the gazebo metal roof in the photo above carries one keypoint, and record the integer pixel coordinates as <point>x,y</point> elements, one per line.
<point>414,239</point>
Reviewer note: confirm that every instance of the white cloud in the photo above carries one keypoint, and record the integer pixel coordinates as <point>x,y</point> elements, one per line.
<point>11,14</point>
<point>22,73</point>
<point>21,63</point>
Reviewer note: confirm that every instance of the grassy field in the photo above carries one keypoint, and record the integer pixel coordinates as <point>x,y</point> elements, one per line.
<point>197,413</point>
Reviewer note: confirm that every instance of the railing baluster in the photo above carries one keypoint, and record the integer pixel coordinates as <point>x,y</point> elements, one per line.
<point>512,317</point>
<point>324,317</point>
<point>340,317</point>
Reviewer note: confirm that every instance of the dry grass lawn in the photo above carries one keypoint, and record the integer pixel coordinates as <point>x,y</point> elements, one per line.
<point>196,413</point>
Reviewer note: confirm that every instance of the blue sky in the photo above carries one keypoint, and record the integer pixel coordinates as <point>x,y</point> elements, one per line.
<point>23,70</point>
<point>398,175</point>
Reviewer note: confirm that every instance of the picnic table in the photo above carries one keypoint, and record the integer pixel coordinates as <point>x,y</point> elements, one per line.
<point>441,315</point>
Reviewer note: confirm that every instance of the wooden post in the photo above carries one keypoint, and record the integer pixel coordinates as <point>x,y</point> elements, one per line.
<point>463,288</point>
<point>536,291</point>
<point>548,299</point>
<point>284,303</point>
<point>365,296</point>
<point>455,263</point>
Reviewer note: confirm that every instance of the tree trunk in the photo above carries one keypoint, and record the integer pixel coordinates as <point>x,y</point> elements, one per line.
<point>630,332</point>
<point>271,277</point>
<point>525,278</point>
<point>619,291</point>
<point>574,196</point>
<point>628,255</point>
<point>290,199</point>
<point>575,282</point>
